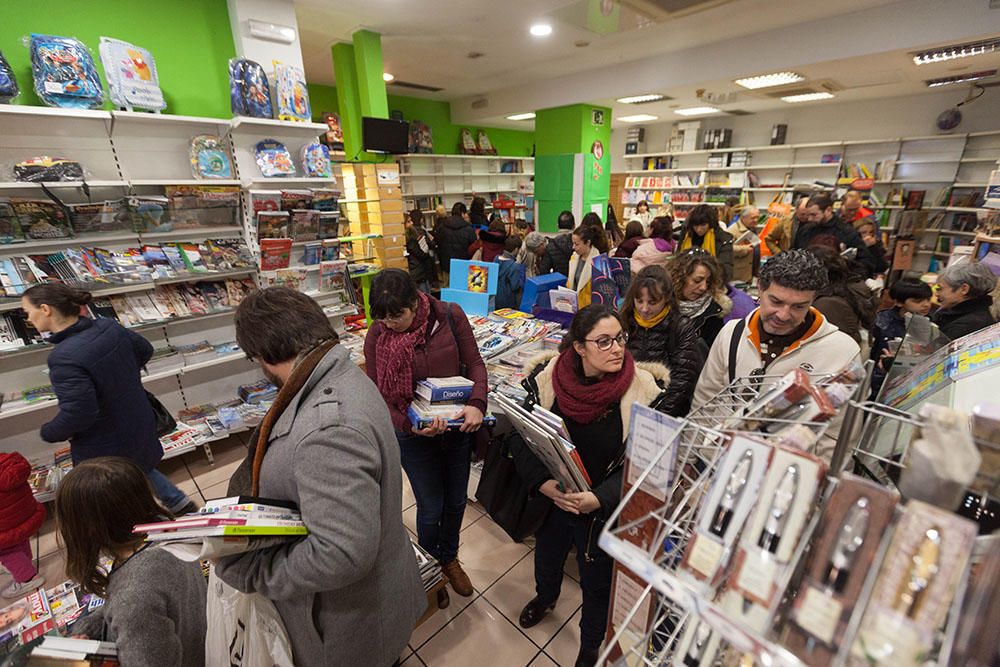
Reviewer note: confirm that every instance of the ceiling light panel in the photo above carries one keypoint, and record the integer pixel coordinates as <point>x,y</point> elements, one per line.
<point>638,118</point>
<point>696,111</point>
<point>769,80</point>
<point>541,30</point>
<point>956,51</point>
<point>522,116</point>
<point>642,99</point>
<point>960,78</point>
<point>807,97</point>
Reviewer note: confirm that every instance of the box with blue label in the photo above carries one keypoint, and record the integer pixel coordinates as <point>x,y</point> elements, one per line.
<point>537,286</point>
<point>472,285</point>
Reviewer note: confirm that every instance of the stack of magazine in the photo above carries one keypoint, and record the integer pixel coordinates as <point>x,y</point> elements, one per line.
<point>430,568</point>
<point>546,434</point>
<point>237,516</point>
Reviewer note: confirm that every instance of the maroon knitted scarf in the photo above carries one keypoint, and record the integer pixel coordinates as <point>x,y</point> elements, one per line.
<point>394,360</point>
<point>583,403</point>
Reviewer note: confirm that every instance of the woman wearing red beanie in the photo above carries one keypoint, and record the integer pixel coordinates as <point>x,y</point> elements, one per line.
<point>20,517</point>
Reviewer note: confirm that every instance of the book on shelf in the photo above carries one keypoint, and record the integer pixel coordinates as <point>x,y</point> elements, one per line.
<point>305,225</point>
<point>275,253</point>
<point>296,199</point>
<point>333,275</point>
<point>274,225</point>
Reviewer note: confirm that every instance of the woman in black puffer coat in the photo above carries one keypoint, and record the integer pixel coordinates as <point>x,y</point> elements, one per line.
<point>658,333</point>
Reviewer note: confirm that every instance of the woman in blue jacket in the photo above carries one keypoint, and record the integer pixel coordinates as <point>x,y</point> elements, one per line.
<point>94,370</point>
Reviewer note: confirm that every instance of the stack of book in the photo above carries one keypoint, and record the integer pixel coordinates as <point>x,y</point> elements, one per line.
<point>237,516</point>
<point>441,397</point>
<point>430,568</point>
<point>72,651</point>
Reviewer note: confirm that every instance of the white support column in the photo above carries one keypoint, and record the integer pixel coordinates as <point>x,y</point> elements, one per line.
<point>263,51</point>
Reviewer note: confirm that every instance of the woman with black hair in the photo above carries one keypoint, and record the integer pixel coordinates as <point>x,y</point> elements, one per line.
<point>95,373</point>
<point>633,236</point>
<point>420,251</point>
<point>414,337</point>
<point>588,242</point>
<point>613,229</point>
<point>592,384</point>
<point>477,214</point>
<point>846,300</point>
<point>702,230</point>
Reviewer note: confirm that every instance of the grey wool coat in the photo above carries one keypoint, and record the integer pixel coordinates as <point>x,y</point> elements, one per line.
<point>349,592</point>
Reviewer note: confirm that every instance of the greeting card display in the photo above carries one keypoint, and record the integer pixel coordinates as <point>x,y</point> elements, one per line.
<point>291,95</point>
<point>64,73</point>
<point>467,144</point>
<point>8,84</point>
<point>132,78</point>
<point>273,159</point>
<point>484,145</point>
<point>209,157</point>
<point>249,92</point>
<point>316,160</point>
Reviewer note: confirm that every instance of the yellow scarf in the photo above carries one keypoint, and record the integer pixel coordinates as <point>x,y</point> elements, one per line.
<point>707,244</point>
<point>653,321</point>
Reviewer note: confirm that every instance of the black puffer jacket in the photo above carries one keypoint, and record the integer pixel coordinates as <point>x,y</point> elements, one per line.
<point>557,253</point>
<point>453,240</point>
<point>420,256</point>
<point>675,343</point>
<point>965,318</point>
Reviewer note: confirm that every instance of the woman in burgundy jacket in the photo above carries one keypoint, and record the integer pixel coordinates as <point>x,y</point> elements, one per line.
<point>415,337</point>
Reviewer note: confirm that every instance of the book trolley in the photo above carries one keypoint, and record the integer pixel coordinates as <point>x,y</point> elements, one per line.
<point>663,612</point>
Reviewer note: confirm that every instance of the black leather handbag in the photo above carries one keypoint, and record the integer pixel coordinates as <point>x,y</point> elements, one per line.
<point>165,422</point>
<point>504,494</point>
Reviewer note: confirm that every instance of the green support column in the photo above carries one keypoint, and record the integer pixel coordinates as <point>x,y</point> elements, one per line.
<point>360,88</point>
<point>561,133</point>
<point>369,69</point>
<point>347,98</point>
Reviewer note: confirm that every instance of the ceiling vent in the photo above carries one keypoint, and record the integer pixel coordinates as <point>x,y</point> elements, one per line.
<point>739,112</point>
<point>415,86</point>
<point>480,103</point>
<point>822,86</point>
<point>664,10</point>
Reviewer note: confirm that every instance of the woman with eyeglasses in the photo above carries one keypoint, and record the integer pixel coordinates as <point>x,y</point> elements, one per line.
<point>702,230</point>
<point>415,337</point>
<point>701,292</point>
<point>592,384</point>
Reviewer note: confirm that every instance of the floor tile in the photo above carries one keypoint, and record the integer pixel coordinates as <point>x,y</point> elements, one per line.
<point>412,661</point>
<point>516,588</point>
<point>215,491</point>
<point>51,566</point>
<point>228,455</point>
<point>409,500</point>
<point>175,469</point>
<point>479,635</point>
<point>565,646</point>
<point>440,618</point>
<point>48,536</point>
<point>542,660</point>
<point>487,553</point>
<point>472,515</point>
<point>572,568</point>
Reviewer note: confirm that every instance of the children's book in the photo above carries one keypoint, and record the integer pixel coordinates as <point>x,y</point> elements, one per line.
<point>273,225</point>
<point>305,225</point>
<point>478,278</point>
<point>275,254</point>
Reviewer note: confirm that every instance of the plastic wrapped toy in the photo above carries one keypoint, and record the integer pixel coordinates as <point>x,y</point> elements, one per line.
<point>316,160</point>
<point>209,158</point>
<point>64,73</point>
<point>45,168</point>
<point>249,92</point>
<point>273,159</point>
<point>131,73</point>
<point>291,96</point>
<point>8,84</point>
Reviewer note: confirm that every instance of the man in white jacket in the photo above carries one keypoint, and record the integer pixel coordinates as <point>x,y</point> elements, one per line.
<point>785,332</point>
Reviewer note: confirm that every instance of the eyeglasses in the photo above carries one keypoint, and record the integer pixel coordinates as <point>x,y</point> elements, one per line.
<point>604,343</point>
<point>398,317</point>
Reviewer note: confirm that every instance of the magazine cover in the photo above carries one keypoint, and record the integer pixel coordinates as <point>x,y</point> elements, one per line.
<point>42,219</point>
<point>273,225</point>
<point>479,278</point>
<point>238,289</point>
<point>275,254</point>
<point>305,225</point>
<point>215,295</point>
<point>332,275</point>
<point>25,620</point>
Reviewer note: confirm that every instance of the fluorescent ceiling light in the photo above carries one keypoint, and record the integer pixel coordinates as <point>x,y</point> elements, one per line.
<point>807,97</point>
<point>541,30</point>
<point>388,78</point>
<point>640,99</point>
<point>522,116</point>
<point>696,111</point>
<point>960,78</point>
<point>768,80</point>
<point>956,51</point>
<point>638,118</point>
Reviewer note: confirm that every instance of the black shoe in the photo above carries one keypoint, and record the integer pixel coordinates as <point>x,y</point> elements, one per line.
<point>443,599</point>
<point>587,657</point>
<point>533,613</point>
<point>190,508</point>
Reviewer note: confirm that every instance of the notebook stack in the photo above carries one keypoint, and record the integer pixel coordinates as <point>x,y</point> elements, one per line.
<point>238,516</point>
<point>441,397</point>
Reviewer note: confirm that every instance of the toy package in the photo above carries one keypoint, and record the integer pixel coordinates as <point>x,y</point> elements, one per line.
<point>316,160</point>
<point>209,158</point>
<point>249,92</point>
<point>273,159</point>
<point>64,73</point>
<point>291,95</point>
<point>484,145</point>
<point>131,73</point>
<point>420,137</point>
<point>45,168</point>
<point>8,84</point>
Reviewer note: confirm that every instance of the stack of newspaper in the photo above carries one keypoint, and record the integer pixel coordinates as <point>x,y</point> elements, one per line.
<point>430,568</point>
<point>229,517</point>
<point>546,434</point>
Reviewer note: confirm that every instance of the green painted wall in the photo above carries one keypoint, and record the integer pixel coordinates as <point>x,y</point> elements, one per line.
<point>437,115</point>
<point>190,40</point>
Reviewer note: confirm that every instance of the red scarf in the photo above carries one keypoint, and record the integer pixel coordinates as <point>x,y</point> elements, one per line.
<point>394,360</point>
<point>583,403</point>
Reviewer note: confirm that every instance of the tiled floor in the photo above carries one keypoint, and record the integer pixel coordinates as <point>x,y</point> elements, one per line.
<point>463,634</point>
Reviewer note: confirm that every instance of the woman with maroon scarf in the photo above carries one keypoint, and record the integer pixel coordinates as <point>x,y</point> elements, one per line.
<point>414,337</point>
<point>592,384</point>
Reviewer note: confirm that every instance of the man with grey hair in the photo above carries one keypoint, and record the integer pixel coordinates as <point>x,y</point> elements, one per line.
<point>964,294</point>
<point>784,333</point>
<point>531,253</point>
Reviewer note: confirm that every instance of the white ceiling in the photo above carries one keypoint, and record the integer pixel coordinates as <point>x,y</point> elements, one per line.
<point>861,45</point>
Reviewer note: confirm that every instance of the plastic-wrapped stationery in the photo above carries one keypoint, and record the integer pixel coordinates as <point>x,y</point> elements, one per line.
<point>132,77</point>
<point>8,83</point>
<point>64,72</point>
<point>249,92</point>
<point>316,160</point>
<point>291,95</point>
<point>273,159</point>
<point>209,158</point>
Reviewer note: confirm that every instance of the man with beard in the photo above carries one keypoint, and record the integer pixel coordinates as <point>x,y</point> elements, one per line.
<point>349,592</point>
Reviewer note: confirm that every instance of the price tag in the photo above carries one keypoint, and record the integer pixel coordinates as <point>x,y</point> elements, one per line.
<point>705,555</point>
<point>53,87</point>
<point>757,575</point>
<point>818,614</point>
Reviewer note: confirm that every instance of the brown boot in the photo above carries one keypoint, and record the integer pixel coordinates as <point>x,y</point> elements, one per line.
<point>443,599</point>
<point>457,577</point>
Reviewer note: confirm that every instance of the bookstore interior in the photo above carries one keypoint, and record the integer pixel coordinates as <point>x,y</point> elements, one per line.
<point>708,327</point>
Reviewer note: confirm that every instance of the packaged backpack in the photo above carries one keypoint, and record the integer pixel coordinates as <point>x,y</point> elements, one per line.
<point>249,92</point>
<point>131,73</point>
<point>273,159</point>
<point>209,157</point>
<point>64,72</point>
<point>291,95</point>
<point>8,84</point>
<point>316,160</point>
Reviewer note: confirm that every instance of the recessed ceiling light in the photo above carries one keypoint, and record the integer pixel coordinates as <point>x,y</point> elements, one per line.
<point>768,80</point>
<point>960,78</point>
<point>388,78</point>
<point>639,99</point>
<point>638,118</point>
<point>956,51</point>
<point>522,116</point>
<point>696,111</point>
<point>541,30</point>
<point>807,97</point>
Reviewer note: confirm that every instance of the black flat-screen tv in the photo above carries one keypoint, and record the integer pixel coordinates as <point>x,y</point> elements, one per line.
<point>383,135</point>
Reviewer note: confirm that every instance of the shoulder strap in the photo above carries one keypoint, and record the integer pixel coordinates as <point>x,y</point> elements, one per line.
<point>451,322</point>
<point>734,347</point>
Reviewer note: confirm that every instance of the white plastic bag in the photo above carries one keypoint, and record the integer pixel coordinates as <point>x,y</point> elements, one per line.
<point>244,629</point>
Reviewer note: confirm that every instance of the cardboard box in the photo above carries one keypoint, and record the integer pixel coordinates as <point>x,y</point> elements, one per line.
<point>388,192</point>
<point>387,205</point>
<point>396,263</point>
